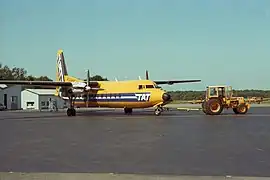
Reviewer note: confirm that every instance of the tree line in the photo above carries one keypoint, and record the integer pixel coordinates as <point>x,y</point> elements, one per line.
<point>197,95</point>
<point>16,73</point>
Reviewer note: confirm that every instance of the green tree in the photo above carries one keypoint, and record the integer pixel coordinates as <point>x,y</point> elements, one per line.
<point>6,73</point>
<point>97,78</point>
<point>21,74</point>
<point>193,95</point>
<point>18,74</point>
<point>43,78</point>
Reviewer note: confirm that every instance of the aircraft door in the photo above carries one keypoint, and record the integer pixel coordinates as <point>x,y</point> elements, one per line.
<point>141,87</point>
<point>104,99</point>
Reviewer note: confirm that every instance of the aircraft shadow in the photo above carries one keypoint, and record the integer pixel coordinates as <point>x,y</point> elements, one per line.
<point>134,113</point>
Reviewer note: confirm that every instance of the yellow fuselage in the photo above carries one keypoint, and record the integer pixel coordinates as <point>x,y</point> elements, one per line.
<point>122,94</point>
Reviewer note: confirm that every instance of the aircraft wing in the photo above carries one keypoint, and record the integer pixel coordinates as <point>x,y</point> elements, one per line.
<point>170,82</point>
<point>35,83</point>
<point>43,83</point>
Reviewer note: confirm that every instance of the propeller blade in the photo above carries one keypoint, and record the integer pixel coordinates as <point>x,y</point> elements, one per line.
<point>88,77</point>
<point>88,83</point>
<point>146,75</point>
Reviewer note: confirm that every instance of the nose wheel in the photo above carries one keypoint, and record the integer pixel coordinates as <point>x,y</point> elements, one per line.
<point>128,110</point>
<point>158,111</point>
<point>71,111</point>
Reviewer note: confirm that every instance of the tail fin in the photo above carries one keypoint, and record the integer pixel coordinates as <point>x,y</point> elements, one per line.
<point>61,69</point>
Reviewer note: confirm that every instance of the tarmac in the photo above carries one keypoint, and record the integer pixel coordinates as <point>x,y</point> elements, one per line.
<point>107,144</point>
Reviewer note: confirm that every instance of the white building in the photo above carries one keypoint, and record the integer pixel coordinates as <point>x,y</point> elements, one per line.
<point>40,99</point>
<point>2,87</point>
<point>11,96</point>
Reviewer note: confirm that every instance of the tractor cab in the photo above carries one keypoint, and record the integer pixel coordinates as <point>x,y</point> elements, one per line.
<point>219,92</point>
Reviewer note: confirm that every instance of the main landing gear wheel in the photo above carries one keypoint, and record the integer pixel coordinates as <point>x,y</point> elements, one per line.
<point>71,112</point>
<point>128,110</point>
<point>158,111</point>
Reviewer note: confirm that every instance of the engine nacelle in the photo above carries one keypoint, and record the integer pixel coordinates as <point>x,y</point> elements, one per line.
<point>77,88</point>
<point>75,91</point>
<point>78,85</point>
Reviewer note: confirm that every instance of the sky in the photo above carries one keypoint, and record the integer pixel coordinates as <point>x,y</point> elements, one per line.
<point>221,42</point>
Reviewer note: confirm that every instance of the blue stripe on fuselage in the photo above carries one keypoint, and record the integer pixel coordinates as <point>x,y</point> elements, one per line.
<point>109,100</point>
<point>116,97</point>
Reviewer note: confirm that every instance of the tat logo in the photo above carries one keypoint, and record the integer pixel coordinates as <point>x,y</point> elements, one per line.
<point>60,69</point>
<point>143,96</point>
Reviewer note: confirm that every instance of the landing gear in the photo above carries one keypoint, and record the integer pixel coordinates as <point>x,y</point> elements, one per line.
<point>71,111</point>
<point>128,110</point>
<point>158,111</point>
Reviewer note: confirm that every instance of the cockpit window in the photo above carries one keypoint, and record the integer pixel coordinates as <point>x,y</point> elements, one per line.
<point>149,86</point>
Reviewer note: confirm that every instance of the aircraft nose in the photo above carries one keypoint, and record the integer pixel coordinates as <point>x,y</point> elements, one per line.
<point>166,97</point>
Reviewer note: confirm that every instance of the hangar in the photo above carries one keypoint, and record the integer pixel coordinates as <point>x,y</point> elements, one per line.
<point>17,97</point>
<point>11,96</point>
<point>41,99</point>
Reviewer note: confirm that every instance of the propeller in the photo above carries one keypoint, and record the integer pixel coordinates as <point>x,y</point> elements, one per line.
<point>146,75</point>
<point>89,84</point>
<point>87,87</point>
<point>88,77</point>
<point>147,78</point>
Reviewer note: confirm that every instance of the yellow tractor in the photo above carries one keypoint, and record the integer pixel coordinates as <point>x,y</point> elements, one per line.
<point>219,97</point>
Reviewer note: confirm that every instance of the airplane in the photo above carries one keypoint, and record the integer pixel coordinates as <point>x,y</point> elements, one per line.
<point>126,94</point>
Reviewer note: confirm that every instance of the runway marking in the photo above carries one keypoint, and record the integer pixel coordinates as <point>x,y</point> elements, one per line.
<point>88,115</point>
<point>145,116</point>
<point>117,176</point>
<point>227,115</point>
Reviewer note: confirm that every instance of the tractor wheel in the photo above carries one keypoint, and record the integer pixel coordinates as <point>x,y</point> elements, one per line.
<point>214,107</point>
<point>203,107</point>
<point>242,109</point>
<point>235,111</point>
